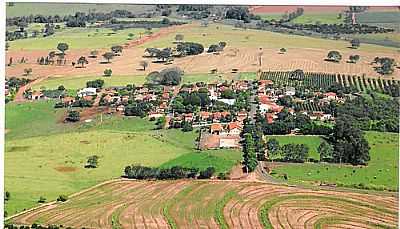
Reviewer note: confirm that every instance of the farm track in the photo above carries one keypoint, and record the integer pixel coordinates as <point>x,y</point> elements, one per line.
<point>193,204</point>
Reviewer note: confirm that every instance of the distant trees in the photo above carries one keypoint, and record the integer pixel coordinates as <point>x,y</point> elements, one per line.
<point>168,76</point>
<point>334,56</point>
<point>189,48</point>
<point>295,152</point>
<point>144,64</point>
<point>179,37</point>
<point>354,58</point>
<point>27,71</point>
<point>108,56</point>
<point>93,54</point>
<point>98,83</point>
<point>349,143</point>
<point>62,198</point>
<point>355,43</point>
<point>325,151</point>
<point>217,47</point>
<point>386,65</point>
<point>249,154</point>
<point>62,47</point>
<point>238,13</point>
<point>92,161</point>
<point>173,173</point>
<point>273,148</point>
<point>73,116</point>
<point>82,61</point>
<point>107,72</point>
<point>116,49</point>
<point>282,50</point>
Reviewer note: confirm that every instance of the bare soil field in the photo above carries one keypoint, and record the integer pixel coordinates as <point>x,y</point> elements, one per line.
<point>215,204</point>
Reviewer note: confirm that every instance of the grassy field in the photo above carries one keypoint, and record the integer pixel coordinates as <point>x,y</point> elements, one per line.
<point>21,8</point>
<point>76,82</point>
<point>311,141</point>
<point>57,152</point>
<point>254,38</point>
<point>382,170</point>
<point>322,18</point>
<point>78,38</point>
<point>222,160</point>
<point>271,16</point>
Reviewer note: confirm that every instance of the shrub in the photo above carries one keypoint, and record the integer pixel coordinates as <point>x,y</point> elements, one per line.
<point>42,200</point>
<point>108,72</point>
<point>62,198</point>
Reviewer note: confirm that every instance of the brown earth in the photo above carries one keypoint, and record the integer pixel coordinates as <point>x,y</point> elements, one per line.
<point>144,204</point>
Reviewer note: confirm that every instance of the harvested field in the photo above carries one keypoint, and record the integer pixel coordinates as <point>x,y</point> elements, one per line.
<point>215,204</point>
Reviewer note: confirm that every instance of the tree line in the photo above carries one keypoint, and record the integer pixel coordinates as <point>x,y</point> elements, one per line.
<point>173,173</point>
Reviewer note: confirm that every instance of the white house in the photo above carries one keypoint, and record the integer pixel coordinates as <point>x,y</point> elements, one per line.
<point>290,91</point>
<point>87,91</point>
<point>227,101</point>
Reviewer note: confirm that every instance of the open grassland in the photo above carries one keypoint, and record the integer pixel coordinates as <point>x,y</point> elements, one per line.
<point>78,38</point>
<point>216,204</point>
<point>57,151</point>
<point>76,82</point>
<point>311,141</point>
<point>322,18</point>
<point>381,172</point>
<point>62,9</point>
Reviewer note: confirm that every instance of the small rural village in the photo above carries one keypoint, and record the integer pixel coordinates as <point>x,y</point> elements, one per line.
<point>201,116</point>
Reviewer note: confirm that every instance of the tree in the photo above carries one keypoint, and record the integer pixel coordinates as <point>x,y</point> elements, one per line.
<point>349,143</point>
<point>73,116</point>
<point>98,83</point>
<point>7,46</point>
<point>42,199</point>
<point>325,151</point>
<point>7,196</point>
<point>354,58</point>
<point>61,88</point>
<point>386,65</point>
<point>130,35</point>
<point>108,56</point>
<point>62,198</point>
<point>108,72</point>
<point>273,148</point>
<point>116,49</point>
<point>207,173</point>
<point>62,47</point>
<point>282,50</point>
<point>179,37</point>
<point>334,56</point>
<point>93,54</point>
<point>355,43</point>
<point>187,126</point>
<point>92,162</point>
<point>144,64</point>
<point>161,122</point>
<point>295,152</point>
<point>249,155</point>
<point>82,61</point>
<point>28,71</point>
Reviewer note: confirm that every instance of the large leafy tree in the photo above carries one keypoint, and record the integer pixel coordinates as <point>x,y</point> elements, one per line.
<point>325,151</point>
<point>349,143</point>
<point>62,47</point>
<point>82,61</point>
<point>108,56</point>
<point>334,56</point>
<point>249,154</point>
<point>272,147</point>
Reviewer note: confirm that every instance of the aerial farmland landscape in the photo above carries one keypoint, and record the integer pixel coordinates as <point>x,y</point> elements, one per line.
<point>201,116</point>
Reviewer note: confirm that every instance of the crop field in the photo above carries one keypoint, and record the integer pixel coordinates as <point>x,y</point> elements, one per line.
<point>215,204</point>
<point>62,9</point>
<point>381,172</point>
<point>78,38</point>
<point>311,141</point>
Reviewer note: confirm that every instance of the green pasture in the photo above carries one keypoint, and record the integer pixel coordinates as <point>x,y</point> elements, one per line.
<point>381,171</point>
<point>62,9</point>
<point>322,18</point>
<point>311,141</point>
<point>78,38</point>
